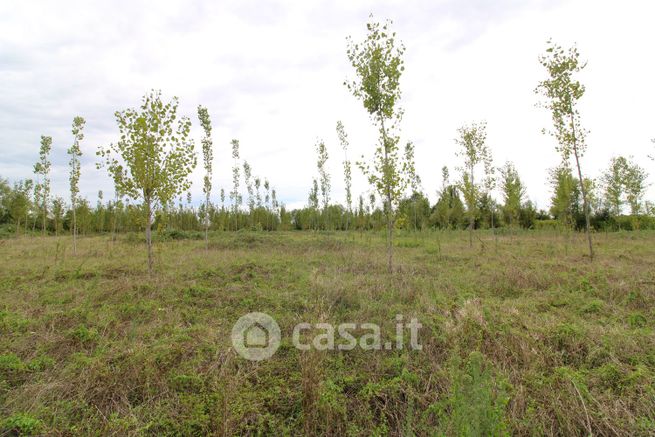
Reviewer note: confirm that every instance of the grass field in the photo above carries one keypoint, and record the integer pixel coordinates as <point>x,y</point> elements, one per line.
<point>523,336</point>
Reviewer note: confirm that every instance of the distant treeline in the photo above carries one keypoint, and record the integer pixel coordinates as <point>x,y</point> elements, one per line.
<point>19,214</point>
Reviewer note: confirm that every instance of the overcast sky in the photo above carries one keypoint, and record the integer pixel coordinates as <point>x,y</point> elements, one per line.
<point>271,74</point>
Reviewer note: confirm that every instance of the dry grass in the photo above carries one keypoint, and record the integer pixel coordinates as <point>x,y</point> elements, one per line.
<point>91,344</point>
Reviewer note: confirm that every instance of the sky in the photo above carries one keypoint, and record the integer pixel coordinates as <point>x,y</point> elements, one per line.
<point>271,74</point>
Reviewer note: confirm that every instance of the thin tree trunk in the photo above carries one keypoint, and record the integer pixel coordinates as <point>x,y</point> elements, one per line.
<point>388,199</point>
<point>389,235</point>
<point>74,231</point>
<point>582,187</point>
<point>472,207</point>
<point>415,216</point>
<point>585,204</point>
<point>149,234</point>
<point>207,222</point>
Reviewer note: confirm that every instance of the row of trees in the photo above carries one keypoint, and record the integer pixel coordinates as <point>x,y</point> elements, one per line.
<point>23,214</point>
<point>151,162</point>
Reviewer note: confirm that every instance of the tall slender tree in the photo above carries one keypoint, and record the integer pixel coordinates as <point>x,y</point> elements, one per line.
<point>413,178</point>
<point>489,185</point>
<point>42,171</point>
<point>513,192</point>
<point>258,185</point>
<point>347,171</point>
<point>153,158</point>
<point>222,196</point>
<point>313,201</point>
<point>235,195</point>
<point>267,201</point>
<point>247,177</point>
<point>100,212</point>
<point>324,179</point>
<point>74,178</point>
<point>378,64</point>
<point>474,151</point>
<point>635,186</point>
<point>274,202</point>
<point>58,207</point>
<point>613,180</point>
<point>561,92</point>
<point>18,203</point>
<point>208,163</point>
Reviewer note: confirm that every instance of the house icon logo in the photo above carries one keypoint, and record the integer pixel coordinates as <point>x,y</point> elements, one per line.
<point>256,336</point>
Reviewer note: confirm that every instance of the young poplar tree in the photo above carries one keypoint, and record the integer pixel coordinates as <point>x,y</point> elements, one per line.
<point>313,196</point>
<point>42,171</point>
<point>372,200</point>
<point>247,177</point>
<point>513,192</point>
<point>58,213</point>
<point>235,195</point>
<point>443,204</point>
<point>378,66</point>
<point>613,182</point>
<point>360,212</point>
<point>18,203</point>
<point>267,195</point>
<point>28,186</point>
<point>222,212</point>
<point>222,199</point>
<point>562,92</point>
<point>274,204</point>
<point>208,163</point>
<point>100,212</point>
<point>258,194</point>
<point>324,179</point>
<point>267,201</point>
<point>74,178</point>
<point>347,171</point>
<point>414,179</point>
<point>36,203</point>
<point>635,186</point>
<point>489,185</point>
<point>153,158</point>
<point>474,151</point>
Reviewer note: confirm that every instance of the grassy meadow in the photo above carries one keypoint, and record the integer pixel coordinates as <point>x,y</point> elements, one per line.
<point>521,335</point>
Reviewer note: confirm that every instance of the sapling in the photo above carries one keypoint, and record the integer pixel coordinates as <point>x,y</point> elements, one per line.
<point>324,178</point>
<point>474,151</point>
<point>75,153</point>
<point>562,92</point>
<point>235,195</point>
<point>208,164</point>
<point>347,171</point>
<point>378,64</point>
<point>42,170</point>
<point>153,158</point>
